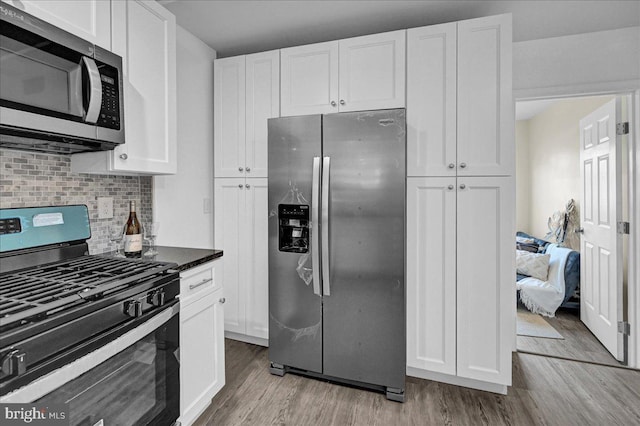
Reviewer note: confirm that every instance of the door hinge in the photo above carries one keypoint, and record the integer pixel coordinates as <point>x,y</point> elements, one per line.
<point>624,328</point>
<point>623,228</point>
<point>622,128</point>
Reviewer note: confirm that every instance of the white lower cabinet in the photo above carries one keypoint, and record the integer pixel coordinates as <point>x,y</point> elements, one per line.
<point>241,215</point>
<point>201,341</point>
<point>460,269</point>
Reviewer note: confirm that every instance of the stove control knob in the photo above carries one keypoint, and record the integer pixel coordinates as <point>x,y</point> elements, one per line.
<point>14,363</point>
<point>156,298</point>
<point>133,308</point>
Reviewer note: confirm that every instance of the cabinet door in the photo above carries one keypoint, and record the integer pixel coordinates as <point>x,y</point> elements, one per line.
<point>309,79</point>
<point>262,103</point>
<point>431,274</point>
<point>372,72</point>
<point>486,271</point>
<point>431,100</point>
<point>144,34</point>
<point>229,117</point>
<point>485,102</point>
<point>88,19</point>
<point>229,216</point>
<point>201,355</point>
<point>256,261</point>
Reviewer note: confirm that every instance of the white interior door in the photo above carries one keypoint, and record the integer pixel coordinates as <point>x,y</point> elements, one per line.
<point>600,244</point>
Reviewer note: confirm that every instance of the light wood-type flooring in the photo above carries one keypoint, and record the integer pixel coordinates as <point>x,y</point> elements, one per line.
<point>578,343</point>
<point>545,391</point>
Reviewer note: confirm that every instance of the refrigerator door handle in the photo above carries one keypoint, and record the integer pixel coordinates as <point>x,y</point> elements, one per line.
<point>326,284</point>
<point>315,222</point>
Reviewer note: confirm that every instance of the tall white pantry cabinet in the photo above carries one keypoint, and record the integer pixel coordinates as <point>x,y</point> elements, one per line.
<point>246,95</point>
<point>460,203</point>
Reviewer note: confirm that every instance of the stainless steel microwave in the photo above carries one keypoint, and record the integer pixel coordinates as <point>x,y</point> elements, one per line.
<point>58,93</point>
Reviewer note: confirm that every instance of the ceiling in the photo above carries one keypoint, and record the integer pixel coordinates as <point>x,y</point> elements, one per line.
<point>240,27</point>
<point>526,110</point>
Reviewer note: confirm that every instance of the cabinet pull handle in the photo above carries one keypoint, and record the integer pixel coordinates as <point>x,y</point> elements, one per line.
<point>203,282</point>
<point>333,103</point>
<point>248,169</point>
<point>222,300</point>
<point>463,186</point>
<point>451,165</point>
<point>342,102</point>
<point>463,165</point>
<point>123,156</point>
<point>240,169</point>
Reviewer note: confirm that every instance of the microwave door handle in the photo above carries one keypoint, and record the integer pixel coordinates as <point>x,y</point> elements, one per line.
<point>95,92</point>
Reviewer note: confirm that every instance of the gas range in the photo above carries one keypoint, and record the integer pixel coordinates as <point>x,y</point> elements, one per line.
<point>59,304</point>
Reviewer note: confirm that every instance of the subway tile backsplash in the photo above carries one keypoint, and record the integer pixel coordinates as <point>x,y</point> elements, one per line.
<point>32,179</point>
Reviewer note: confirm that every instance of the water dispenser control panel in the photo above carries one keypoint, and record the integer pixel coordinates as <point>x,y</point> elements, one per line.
<point>293,233</point>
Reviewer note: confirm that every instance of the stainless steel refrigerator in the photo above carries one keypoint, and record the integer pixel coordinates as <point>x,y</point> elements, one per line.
<point>337,248</point>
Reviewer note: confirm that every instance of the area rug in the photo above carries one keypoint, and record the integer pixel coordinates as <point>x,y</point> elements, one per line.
<point>534,325</point>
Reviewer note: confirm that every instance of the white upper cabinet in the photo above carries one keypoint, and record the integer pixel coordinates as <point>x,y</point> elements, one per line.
<point>353,74</point>
<point>485,100</point>
<point>144,34</point>
<point>229,117</point>
<point>431,100</point>
<point>459,100</point>
<point>372,72</point>
<point>88,19</point>
<point>262,103</point>
<point>309,76</point>
<point>246,95</point>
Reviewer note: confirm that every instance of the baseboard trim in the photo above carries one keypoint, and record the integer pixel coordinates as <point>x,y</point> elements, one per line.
<point>247,339</point>
<point>457,381</point>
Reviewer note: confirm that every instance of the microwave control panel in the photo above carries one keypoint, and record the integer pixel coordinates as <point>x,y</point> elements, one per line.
<point>110,109</point>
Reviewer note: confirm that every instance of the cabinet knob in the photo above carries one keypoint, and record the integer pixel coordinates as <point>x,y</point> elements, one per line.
<point>248,186</point>
<point>240,185</point>
<point>463,165</point>
<point>248,169</point>
<point>123,156</point>
<point>463,186</point>
<point>451,165</point>
<point>450,187</point>
<point>333,103</point>
<point>580,231</point>
<point>240,169</point>
<point>342,102</point>
<point>222,300</point>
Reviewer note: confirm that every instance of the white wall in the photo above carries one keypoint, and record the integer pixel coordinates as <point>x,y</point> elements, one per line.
<point>597,62</point>
<point>179,199</point>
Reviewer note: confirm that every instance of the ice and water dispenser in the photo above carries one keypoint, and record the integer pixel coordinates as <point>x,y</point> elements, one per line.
<point>293,233</point>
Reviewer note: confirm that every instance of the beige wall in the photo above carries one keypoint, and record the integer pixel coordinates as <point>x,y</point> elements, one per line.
<point>549,143</point>
<point>523,177</point>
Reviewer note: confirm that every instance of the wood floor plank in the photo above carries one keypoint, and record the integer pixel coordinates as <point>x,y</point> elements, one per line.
<point>545,391</point>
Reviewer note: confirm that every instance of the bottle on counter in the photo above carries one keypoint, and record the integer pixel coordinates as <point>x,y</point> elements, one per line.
<point>132,233</point>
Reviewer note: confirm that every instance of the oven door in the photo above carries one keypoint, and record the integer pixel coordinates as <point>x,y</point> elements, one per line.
<point>133,380</point>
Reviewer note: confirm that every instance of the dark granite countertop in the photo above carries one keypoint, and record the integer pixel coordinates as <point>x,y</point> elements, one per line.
<point>185,257</point>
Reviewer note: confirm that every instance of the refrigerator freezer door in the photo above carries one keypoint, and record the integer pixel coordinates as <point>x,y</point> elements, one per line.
<point>295,312</point>
<point>364,315</point>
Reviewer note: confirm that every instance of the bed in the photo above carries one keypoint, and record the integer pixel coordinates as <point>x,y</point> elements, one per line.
<point>568,277</point>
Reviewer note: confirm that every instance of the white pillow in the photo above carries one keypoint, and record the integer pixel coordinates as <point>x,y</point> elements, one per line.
<point>535,265</point>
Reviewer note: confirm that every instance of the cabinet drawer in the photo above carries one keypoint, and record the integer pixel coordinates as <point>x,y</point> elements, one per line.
<point>197,281</point>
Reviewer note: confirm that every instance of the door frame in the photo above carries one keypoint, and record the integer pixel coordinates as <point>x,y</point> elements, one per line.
<point>633,274</point>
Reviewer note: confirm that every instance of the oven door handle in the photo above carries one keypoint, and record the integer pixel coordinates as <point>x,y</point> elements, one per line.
<point>95,90</point>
